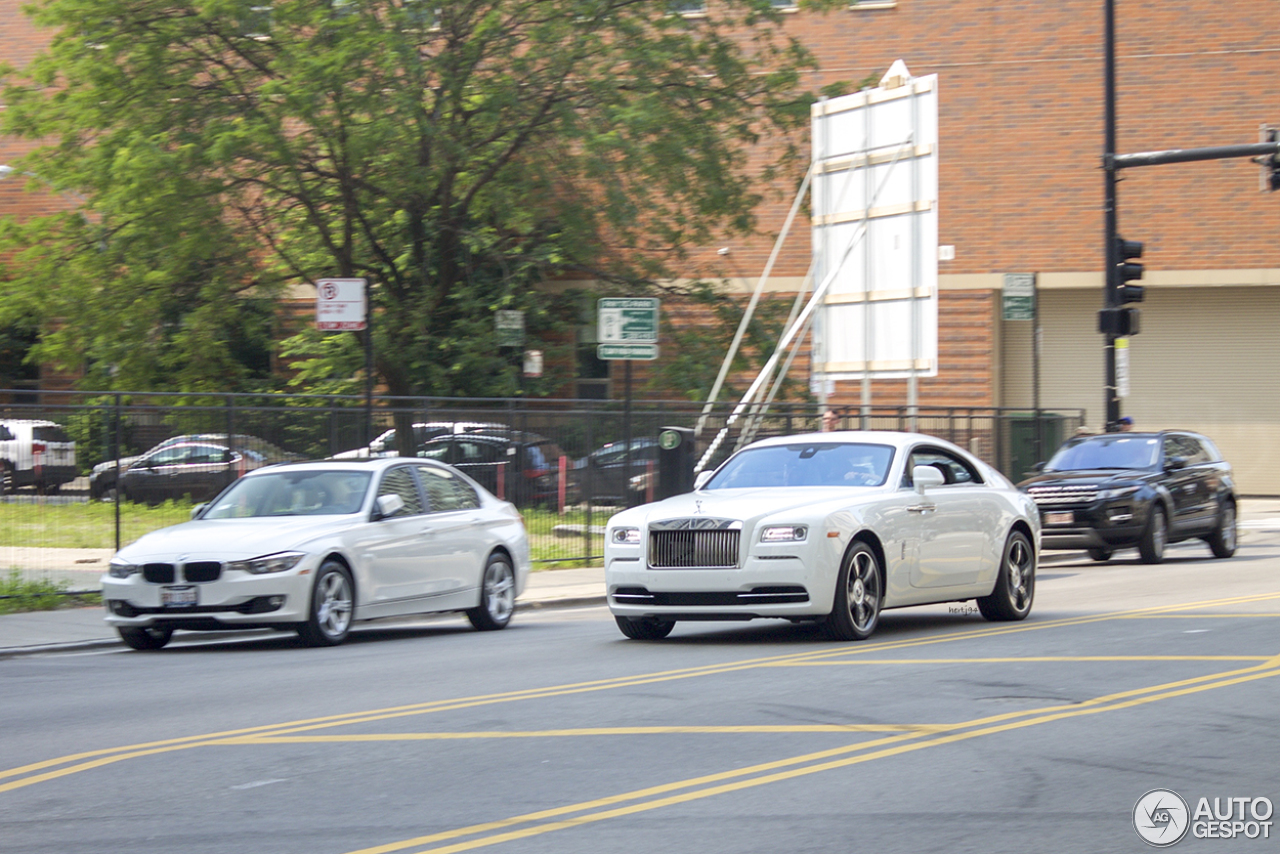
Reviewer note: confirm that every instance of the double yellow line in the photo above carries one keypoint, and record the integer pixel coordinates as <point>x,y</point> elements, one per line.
<point>904,738</point>
<point>697,788</point>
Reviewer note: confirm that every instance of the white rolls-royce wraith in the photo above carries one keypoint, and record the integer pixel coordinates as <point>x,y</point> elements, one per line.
<point>826,527</point>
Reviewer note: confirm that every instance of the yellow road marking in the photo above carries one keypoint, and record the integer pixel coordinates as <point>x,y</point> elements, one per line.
<point>97,758</point>
<point>769,773</point>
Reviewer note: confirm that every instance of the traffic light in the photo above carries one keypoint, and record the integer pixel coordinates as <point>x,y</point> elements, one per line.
<point>1127,271</point>
<point>1270,162</point>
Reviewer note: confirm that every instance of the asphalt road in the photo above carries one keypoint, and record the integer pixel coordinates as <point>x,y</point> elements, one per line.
<point>941,733</point>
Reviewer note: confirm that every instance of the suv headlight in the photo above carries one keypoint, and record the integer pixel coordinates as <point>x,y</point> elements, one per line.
<point>121,569</point>
<point>269,563</point>
<point>784,534</point>
<point>1118,492</point>
<point>625,536</point>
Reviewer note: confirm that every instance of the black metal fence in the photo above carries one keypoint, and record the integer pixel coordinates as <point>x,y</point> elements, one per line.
<point>568,464</point>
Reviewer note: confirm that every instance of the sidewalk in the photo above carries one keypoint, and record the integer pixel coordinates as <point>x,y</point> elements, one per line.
<point>71,628</point>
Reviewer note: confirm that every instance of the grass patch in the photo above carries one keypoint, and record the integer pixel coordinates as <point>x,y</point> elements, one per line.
<point>25,594</point>
<point>555,540</point>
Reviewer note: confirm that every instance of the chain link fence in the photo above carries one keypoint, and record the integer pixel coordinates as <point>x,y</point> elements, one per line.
<point>87,473</point>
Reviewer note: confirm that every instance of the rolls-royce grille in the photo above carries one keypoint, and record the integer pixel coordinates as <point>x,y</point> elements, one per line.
<point>704,549</point>
<point>1084,493</point>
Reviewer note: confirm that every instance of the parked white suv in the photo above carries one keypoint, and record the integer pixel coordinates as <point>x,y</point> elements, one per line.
<point>35,453</point>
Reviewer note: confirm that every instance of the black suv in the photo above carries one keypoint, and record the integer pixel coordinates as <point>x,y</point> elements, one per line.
<point>1119,490</point>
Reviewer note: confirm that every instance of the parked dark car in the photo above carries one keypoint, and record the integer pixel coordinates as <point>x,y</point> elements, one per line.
<point>603,475</point>
<point>385,444</point>
<point>520,467</point>
<point>1121,490</point>
<point>102,480</point>
<point>198,470</point>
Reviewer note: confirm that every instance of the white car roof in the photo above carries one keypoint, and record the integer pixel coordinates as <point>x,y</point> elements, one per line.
<point>894,438</point>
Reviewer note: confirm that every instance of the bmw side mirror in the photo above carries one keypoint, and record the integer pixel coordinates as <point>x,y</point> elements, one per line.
<point>387,505</point>
<point>197,510</point>
<point>926,476</point>
<point>701,480</point>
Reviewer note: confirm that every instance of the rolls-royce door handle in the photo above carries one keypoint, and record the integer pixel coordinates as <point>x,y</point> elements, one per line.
<point>922,508</point>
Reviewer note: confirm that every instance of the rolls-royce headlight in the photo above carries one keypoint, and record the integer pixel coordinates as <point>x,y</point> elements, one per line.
<point>625,536</point>
<point>268,563</point>
<point>784,534</point>
<point>120,569</point>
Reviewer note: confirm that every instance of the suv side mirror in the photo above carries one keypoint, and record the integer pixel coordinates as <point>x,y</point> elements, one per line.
<point>926,476</point>
<point>1175,463</point>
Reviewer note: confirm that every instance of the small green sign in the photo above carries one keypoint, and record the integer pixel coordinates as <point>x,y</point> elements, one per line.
<point>668,440</point>
<point>640,352</point>
<point>1018,298</point>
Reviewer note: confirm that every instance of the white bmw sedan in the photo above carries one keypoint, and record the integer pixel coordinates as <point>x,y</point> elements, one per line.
<point>826,527</point>
<point>312,547</point>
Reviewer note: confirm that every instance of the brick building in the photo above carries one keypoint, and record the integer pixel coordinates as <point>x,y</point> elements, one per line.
<point>1021,190</point>
<point>1021,133</point>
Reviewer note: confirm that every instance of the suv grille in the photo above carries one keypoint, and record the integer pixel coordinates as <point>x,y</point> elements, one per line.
<point>710,549</point>
<point>1084,493</point>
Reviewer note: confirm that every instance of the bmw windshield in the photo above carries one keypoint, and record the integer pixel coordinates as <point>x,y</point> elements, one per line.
<point>806,464</point>
<point>293,492</point>
<point>1117,451</point>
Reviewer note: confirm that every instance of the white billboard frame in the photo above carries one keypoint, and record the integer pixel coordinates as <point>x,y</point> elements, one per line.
<point>875,232</point>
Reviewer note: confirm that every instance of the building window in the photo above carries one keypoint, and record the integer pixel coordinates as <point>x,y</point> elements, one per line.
<point>593,372</point>
<point>255,22</point>
<point>682,8</point>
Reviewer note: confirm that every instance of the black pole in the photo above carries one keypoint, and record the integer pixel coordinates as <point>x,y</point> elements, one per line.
<point>368,363</point>
<point>626,431</point>
<point>1110,271</point>
<point>118,472</point>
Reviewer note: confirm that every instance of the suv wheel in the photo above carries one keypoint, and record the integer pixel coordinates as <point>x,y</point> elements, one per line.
<point>1223,539</point>
<point>1151,546</point>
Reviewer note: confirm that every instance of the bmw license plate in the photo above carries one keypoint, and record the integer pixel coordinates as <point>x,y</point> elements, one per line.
<point>178,597</point>
<point>1060,517</point>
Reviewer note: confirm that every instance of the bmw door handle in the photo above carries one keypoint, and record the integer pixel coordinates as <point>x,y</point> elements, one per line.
<point>922,508</point>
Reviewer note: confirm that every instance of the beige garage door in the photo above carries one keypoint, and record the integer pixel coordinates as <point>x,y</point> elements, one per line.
<point>1208,359</point>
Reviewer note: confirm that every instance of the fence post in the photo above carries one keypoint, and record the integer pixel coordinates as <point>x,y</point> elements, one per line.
<point>589,488</point>
<point>118,472</point>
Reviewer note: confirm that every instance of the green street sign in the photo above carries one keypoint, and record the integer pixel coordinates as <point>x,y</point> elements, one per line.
<point>669,440</point>
<point>1018,298</point>
<point>640,352</point>
<point>509,326</point>
<point>632,320</point>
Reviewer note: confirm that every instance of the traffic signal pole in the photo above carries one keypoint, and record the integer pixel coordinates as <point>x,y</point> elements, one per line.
<point>1111,393</point>
<point>1114,320</point>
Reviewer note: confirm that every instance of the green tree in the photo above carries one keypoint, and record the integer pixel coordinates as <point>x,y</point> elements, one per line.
<point>456,154</point>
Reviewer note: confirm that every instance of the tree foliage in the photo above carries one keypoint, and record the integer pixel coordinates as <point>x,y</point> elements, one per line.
<point>459,155</point>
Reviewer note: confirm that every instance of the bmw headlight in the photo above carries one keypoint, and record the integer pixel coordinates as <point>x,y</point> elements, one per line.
<point>625,536</point>
<point>784,534</point>
<point>122,569</point>
<point>1118,491</point>
<point>270,563</point>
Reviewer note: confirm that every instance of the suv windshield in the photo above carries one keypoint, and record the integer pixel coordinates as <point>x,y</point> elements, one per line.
<point>1116,451</point>
<point>809,464</point>
<point>293,493</point>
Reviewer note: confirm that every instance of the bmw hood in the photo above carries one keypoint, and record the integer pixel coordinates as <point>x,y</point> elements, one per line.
<point>233,539</point>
